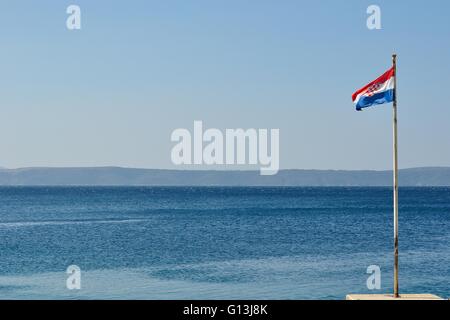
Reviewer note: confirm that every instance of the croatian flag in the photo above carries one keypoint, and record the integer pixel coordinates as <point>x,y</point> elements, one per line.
<point>378,91</point>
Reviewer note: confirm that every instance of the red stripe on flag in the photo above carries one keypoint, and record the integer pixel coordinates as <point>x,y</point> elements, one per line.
<point>385,77</point>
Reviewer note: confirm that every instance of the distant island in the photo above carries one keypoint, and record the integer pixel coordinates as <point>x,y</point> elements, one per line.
<point>116,176</point>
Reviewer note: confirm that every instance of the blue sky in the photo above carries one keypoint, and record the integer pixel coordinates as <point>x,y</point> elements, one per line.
<point>112,93</point>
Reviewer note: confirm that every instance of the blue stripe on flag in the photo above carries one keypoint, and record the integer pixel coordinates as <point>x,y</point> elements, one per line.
<point>379,98</point>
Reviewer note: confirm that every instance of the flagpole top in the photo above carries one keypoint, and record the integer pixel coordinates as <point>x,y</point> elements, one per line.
<point>394,57</point>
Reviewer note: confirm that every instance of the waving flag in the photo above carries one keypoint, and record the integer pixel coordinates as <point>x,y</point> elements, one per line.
<point>378,91</point>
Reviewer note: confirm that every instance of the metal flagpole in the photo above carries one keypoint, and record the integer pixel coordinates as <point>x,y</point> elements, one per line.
<point>396,294</point>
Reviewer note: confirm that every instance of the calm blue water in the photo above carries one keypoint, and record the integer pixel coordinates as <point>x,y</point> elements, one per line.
<point>219,243</point>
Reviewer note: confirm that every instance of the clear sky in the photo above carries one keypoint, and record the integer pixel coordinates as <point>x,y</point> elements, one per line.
<point>112,92</point>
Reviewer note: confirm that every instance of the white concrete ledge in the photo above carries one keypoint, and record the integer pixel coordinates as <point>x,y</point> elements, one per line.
<point>424,296</point>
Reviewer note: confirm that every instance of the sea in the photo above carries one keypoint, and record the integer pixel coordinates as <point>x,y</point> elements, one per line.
<point>220,242</point>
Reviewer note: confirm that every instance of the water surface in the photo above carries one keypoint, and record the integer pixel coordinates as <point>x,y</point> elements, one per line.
<point>219,243</point>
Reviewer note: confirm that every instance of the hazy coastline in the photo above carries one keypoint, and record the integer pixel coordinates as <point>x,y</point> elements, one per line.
<point>117,176</point>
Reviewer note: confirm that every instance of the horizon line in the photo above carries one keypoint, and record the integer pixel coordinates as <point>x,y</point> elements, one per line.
<point>211,170</point>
